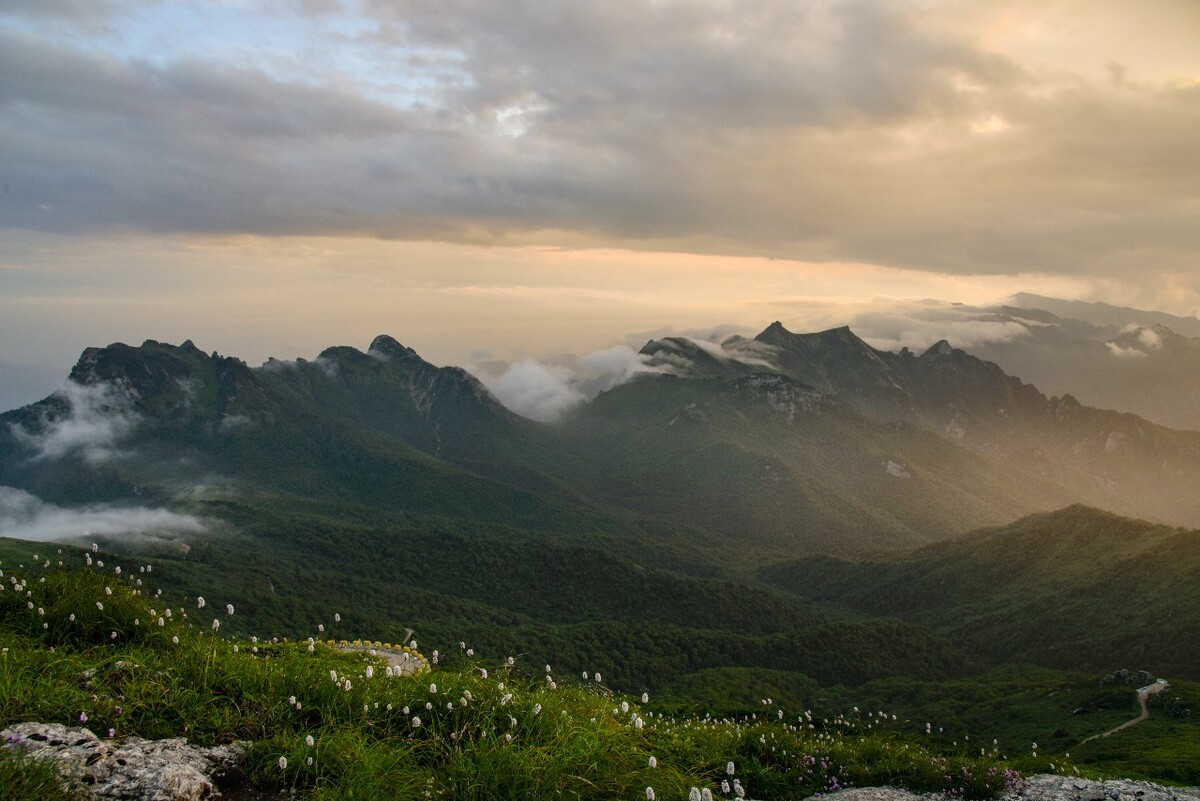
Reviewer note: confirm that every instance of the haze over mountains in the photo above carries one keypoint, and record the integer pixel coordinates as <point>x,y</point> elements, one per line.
<point>788,511</point>
<point>790,441</point>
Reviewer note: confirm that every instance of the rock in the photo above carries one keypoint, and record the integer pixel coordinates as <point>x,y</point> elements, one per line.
<point>1047,787</point>
<point>1043,787</point>
<point>131,769</point>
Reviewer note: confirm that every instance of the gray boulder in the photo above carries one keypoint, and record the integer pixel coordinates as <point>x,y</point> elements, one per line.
<point>130,769</point>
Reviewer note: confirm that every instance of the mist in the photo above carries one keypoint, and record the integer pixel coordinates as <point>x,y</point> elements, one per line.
<point>26,517</point>
<point>98,417</point>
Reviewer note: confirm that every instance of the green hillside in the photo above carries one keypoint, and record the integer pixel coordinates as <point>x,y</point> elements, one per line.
<point>318,723</point>
<point>1076,589</point>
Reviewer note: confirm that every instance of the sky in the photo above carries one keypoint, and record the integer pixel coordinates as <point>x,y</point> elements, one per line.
<point>488,180</point>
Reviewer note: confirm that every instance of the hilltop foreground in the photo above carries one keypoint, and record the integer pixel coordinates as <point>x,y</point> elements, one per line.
<point>99,649</point>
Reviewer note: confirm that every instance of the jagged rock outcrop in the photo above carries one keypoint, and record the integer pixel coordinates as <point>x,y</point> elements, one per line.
<point>129,769</point>
<point>1043,787</point>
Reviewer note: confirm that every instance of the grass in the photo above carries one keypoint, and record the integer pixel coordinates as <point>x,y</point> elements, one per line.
<point>86,647</point>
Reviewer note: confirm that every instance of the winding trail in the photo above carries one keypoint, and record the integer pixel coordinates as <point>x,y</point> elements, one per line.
<point>1143,694</point>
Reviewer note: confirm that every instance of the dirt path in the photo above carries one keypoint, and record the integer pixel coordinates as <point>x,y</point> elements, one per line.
<point>408,663</point>
<point>1143,694</point>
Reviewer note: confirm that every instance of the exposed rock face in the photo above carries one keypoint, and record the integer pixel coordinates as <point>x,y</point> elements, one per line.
<point>131,769</point>
<point>1044,787</point>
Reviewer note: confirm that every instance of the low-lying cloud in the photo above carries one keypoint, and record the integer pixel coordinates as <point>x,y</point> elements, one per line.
<point>26,517</point>
<point>95,418</point>
<point>920,324</point>
<point>547,390</point>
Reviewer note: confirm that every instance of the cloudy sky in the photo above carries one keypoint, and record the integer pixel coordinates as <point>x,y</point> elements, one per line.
<point>483,179</point>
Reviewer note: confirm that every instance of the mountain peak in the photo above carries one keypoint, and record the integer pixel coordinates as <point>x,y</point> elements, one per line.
<point>385,345</point>
<point>938,350</point>
<point>841,337</point>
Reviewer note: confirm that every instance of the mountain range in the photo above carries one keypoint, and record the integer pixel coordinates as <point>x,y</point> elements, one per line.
<point>788,511</point>
<point>788,442</point>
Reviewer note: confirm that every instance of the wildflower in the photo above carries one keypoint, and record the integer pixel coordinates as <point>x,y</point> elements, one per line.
<point>83,717</point>
<point>308,762</point>
<point>337,618</point>
<point>200,602</point>
<point>507,697</point>
<point>175,640</point>
<point>433,689</point>
<point>108,590</point>
<point>645,698</point>
<point>112,733</point>
<point>216,624</point>
<point>706,794</point>
<point>729,768</point>
<point>694,794</point>
<point>597,677</point>
<point>510,661</point>
<point>484,672</point>
<point>161,622</point>
<point>309,741</point>
<point>283,763</point>
<point>537,709</point>
<point>71,617</point>
<point>416,722</point>
<point>291,700</point>
<point>320,627</point>
<point>653,762</point>
<point>470,652</point>
<point>100,606</point>
<point>649,794</point>
<point>229,609</point>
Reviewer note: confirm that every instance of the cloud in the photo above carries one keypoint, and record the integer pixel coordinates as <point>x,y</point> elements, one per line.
<point>918,325</point>
<point>83,420</point>
<point>824,130</point>
<point>1135,342</point>
<point>547,390</point>
<point>535,390</point>
<point>1123,352</point>
<point>27,517</point>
